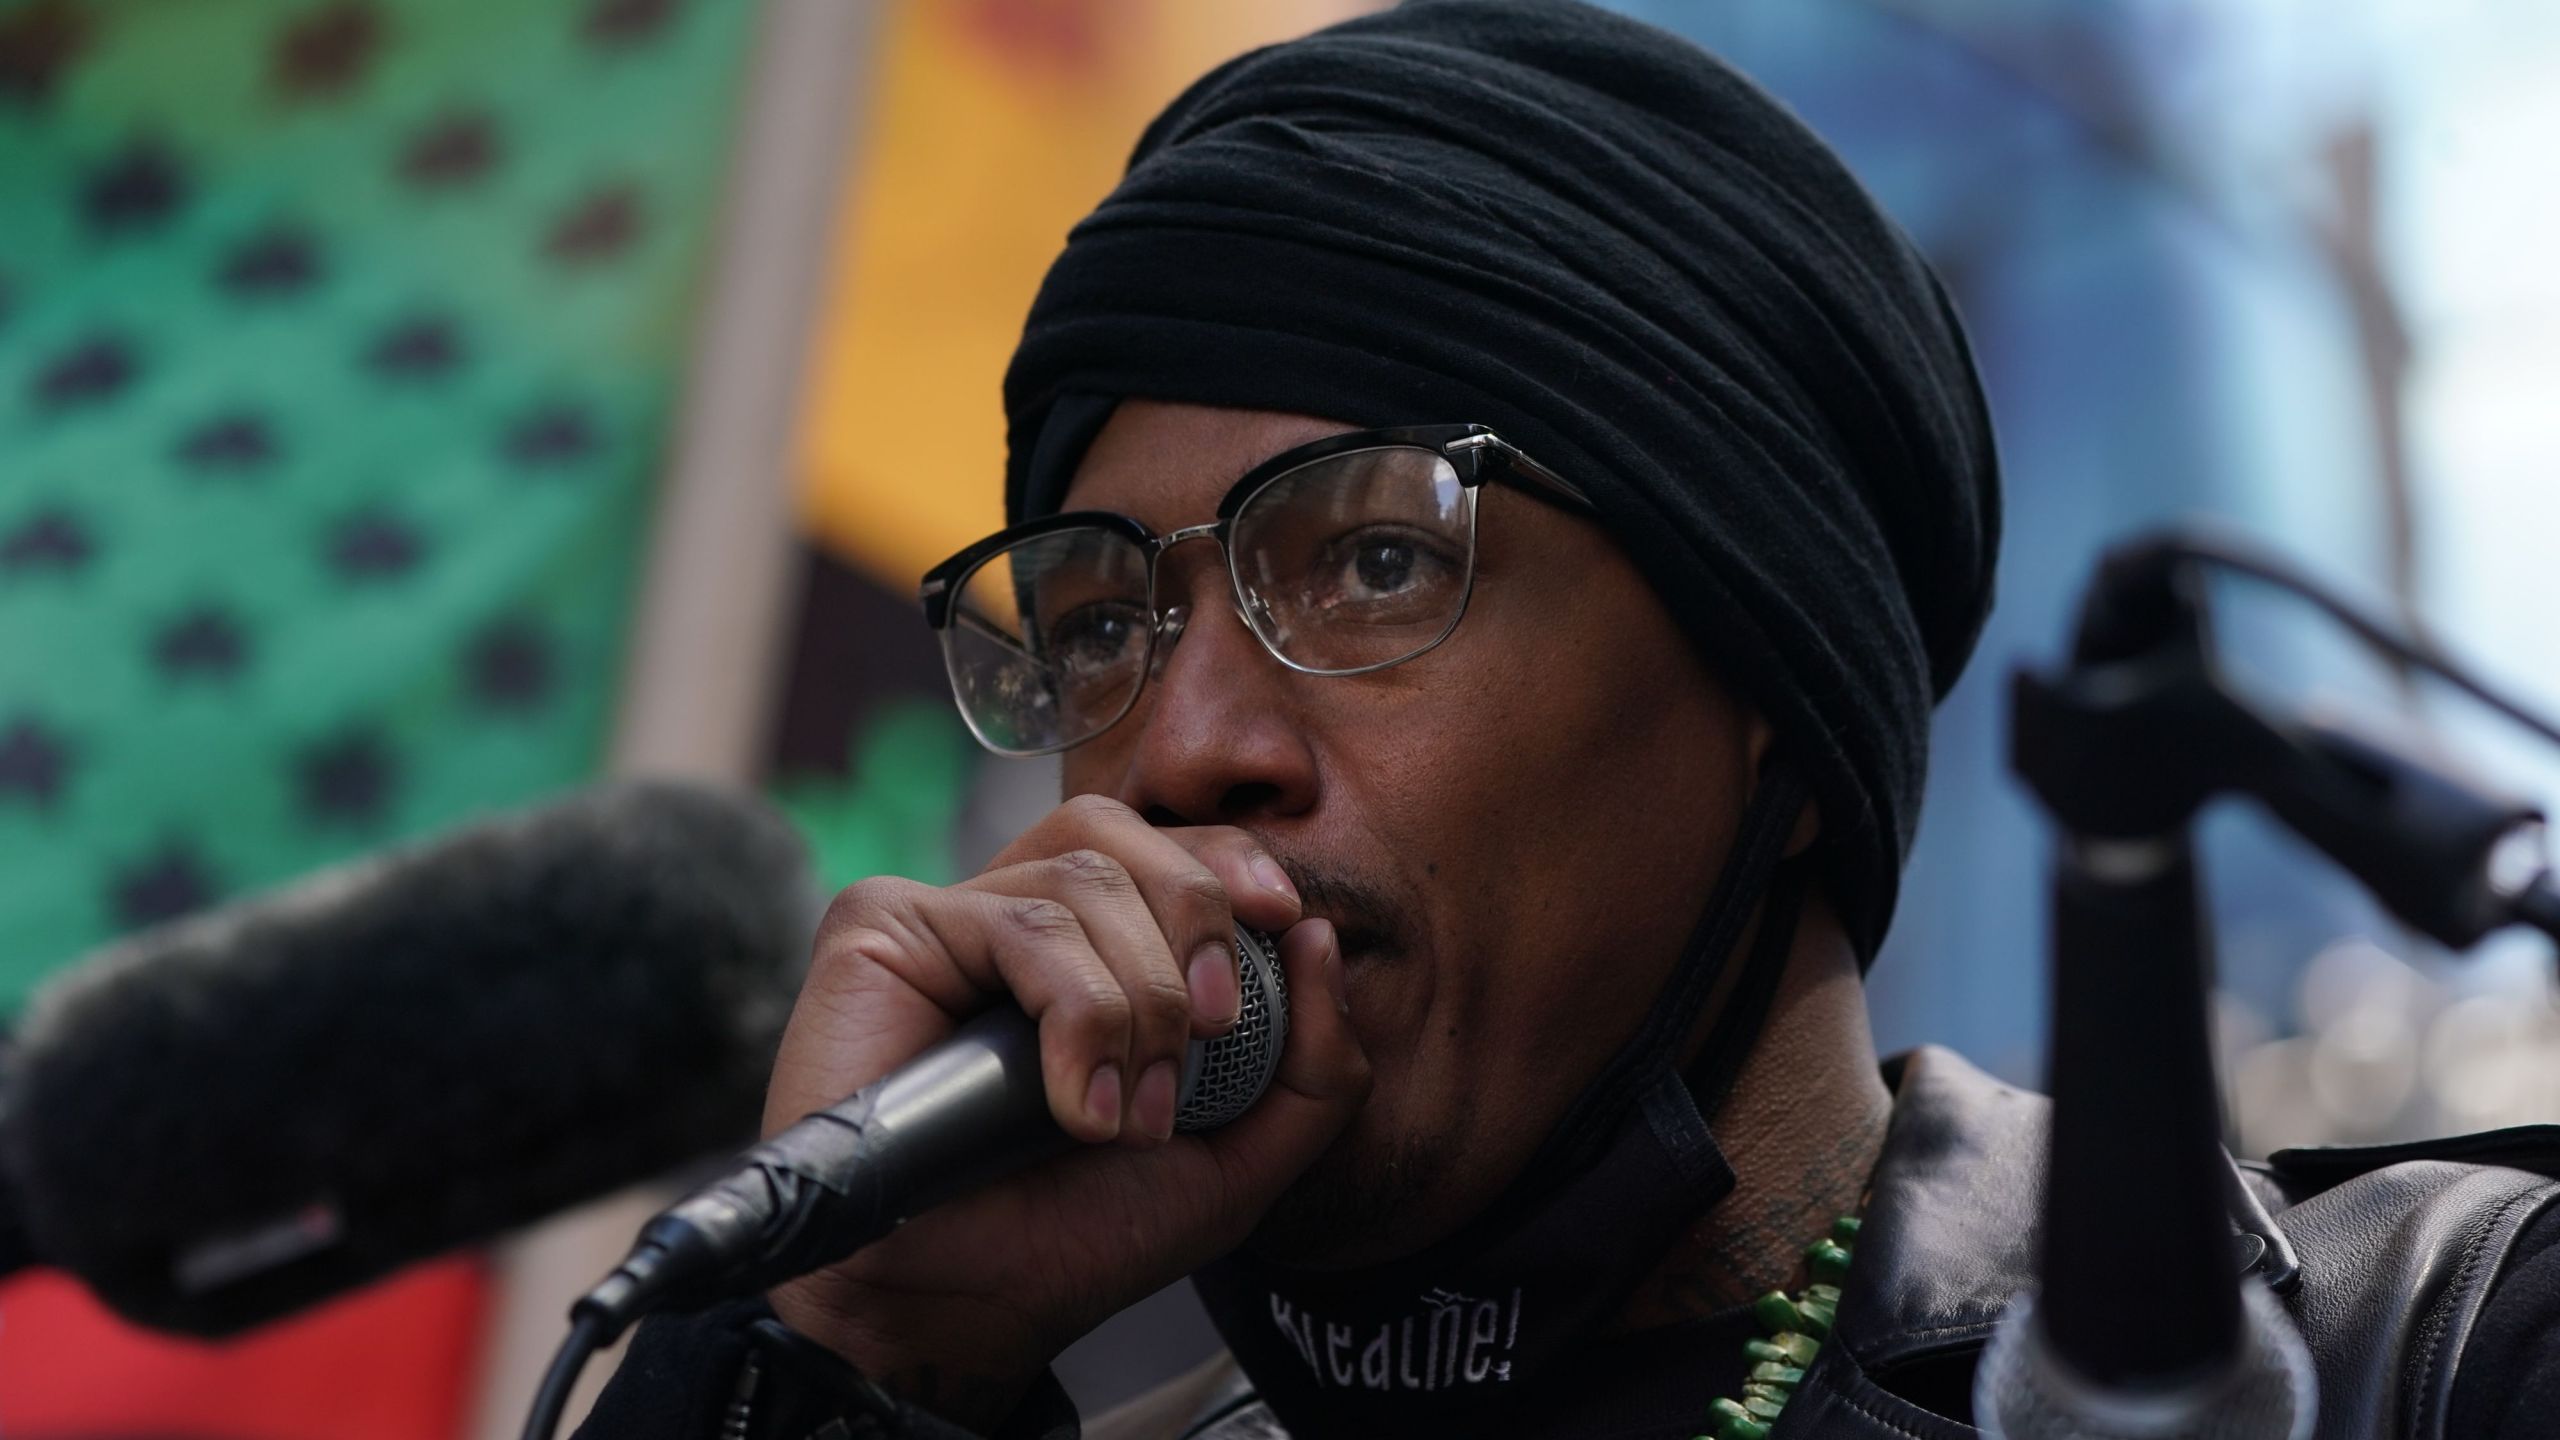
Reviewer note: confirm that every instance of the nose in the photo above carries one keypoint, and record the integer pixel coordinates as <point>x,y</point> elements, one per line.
<point>1219,737</point>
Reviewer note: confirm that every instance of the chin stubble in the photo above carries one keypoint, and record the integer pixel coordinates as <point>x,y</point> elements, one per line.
<point>1353,1190</point>
<point>1347,1197</point>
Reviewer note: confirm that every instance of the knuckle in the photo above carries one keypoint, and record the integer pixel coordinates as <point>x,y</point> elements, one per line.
<point>858,905</point>
<point>876,927</point>
<point>1097,1008</point>
<point>1043,921</point>
<point>864,947</point>
<point>1164,1001</point>
<point>1200,898</point>
<point>1092,809</point>
<point>1089,869</point>
<point>860,958</point>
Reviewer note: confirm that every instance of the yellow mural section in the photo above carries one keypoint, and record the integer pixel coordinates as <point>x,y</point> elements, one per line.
<point>992,127</point>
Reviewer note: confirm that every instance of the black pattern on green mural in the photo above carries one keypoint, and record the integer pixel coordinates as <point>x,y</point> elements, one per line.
<point>337,347</point>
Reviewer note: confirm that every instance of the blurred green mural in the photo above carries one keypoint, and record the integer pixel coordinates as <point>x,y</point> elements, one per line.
<point>337,346</point>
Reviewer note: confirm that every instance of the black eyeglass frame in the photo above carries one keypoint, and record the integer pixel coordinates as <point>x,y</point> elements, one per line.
<point>1475,453</point>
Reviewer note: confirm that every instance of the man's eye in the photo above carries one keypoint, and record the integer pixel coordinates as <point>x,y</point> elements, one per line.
<point>1384,567</point>
<point>1375,567</point>
<point>1094,637</point>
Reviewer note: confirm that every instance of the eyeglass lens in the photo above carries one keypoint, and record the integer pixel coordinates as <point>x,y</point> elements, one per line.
<point>1350,562</point>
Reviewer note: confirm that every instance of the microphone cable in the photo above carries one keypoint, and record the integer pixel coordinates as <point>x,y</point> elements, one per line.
<point>2242,558</point>
<point>587,1335</point>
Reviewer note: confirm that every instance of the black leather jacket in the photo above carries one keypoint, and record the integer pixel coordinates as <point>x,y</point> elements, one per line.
<point>2398,1246</point>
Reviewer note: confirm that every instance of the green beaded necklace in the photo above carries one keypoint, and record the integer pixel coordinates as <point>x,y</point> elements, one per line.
<point>1796,1329</point>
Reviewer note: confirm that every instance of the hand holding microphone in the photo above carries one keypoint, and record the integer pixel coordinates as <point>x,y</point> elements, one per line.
<point>1116,939</point>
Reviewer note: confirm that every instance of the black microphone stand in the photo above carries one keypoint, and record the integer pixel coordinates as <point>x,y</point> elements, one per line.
<point>2142,1324</point>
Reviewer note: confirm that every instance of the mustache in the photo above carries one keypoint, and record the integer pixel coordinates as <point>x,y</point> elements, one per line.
<point>1362,907</point>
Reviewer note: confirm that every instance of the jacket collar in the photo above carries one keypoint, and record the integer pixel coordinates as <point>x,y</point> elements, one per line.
<point>1952,1218</point>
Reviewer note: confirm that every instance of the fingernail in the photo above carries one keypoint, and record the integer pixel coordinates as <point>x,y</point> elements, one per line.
<point>1268,874</point>
<point>1102,1096</point>
<point>1154,1108</point>
<point>1213,983</point>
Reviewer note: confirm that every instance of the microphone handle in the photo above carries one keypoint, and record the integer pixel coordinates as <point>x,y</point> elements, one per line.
<point>966,1112</point>
<point>2138,1289</point>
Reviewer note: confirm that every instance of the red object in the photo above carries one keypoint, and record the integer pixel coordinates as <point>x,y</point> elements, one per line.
<point>394,1362</point>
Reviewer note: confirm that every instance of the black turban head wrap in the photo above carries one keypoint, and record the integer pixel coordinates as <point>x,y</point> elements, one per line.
<point>1604,243</point>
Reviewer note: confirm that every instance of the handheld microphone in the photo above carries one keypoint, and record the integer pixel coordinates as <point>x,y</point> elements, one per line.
<point>228,1118</point>
<point>966,1112</point>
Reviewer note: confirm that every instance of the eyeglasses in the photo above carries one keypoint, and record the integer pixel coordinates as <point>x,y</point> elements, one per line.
<point>1347,555</point>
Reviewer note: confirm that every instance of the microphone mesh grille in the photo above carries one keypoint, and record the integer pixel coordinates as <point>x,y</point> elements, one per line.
<point>1227,1074</point>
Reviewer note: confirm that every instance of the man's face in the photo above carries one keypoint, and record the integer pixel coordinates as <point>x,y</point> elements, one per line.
<point>1513,833</point>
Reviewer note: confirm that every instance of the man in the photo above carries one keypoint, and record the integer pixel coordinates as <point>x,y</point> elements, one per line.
<point>1594,496</point>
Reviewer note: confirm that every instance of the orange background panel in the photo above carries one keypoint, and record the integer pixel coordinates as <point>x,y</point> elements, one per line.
<point>394,1362</point>
<point>993,126</point>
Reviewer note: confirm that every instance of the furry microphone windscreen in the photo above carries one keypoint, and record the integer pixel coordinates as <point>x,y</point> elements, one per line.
<point>226,1119</point>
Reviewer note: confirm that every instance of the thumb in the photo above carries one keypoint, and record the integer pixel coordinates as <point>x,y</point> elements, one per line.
<point>1322,1081</point>
<point>1183,1204</point>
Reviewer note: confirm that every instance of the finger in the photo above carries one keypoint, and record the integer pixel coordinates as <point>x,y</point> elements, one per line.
<point>959,948</point>
<point>1257,888</point>
<point>1193,905</point>
<point>1133,944</point>
<point>1198,882</point>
